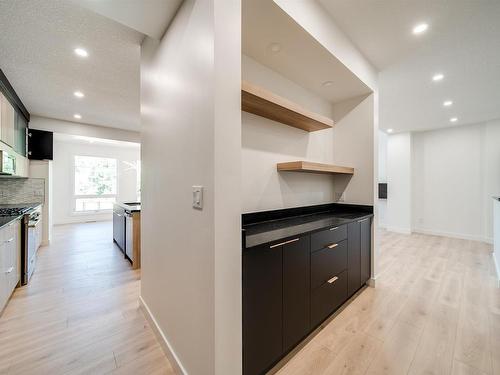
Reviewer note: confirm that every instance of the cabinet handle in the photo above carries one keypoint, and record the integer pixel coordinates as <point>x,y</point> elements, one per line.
<point>10,270</point>
<point>334,228</point>
<point>10,240</point>
<point>118,214</point>
<point>360,221</point>
<point>333,245</point>
<point>283,243</point>
<point>332,280</point>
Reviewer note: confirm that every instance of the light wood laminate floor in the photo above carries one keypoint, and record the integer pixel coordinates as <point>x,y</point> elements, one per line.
<point>80,312</point>
<point>435,311</point>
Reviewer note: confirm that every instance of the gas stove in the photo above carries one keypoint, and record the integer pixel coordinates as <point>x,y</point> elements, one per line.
<point>13,211</point>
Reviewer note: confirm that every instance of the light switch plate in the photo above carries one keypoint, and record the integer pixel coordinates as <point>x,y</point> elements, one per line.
<point>198,197</point>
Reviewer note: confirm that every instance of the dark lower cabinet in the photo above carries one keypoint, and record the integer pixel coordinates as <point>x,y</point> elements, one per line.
<point>290,288</point>
<point>326,298</point>
<point>359,254</point>
<point>262,308</point>
<point>366,249</point>
<point>354,257</point>
<point>296,292</point>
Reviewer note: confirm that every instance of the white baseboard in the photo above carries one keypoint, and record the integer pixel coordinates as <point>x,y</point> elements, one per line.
<point>165,345</point>
<point>496,262</point>
<point>398,229</point>
<point>371,282</point>
<point>460,236</point>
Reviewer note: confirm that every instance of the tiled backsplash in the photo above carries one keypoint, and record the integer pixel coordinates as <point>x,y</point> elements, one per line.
<point>20,190</point>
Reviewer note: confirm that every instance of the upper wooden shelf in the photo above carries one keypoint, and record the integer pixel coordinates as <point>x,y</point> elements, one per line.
<point>310,167</point>
<point>261,102</point>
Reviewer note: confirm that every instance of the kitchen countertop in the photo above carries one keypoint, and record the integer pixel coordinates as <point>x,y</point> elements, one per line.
<point>258,231</point>
<point>5,220</point>
<point>130,207</point>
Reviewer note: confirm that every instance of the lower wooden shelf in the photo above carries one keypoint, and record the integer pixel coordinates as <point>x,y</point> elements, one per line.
<point>310,167</point>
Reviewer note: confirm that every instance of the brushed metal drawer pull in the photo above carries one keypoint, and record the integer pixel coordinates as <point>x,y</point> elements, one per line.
<point>332,280</point>
<point>10,240</point>
<point>283,243</point>
<point>10,270</point>
<point>334,228</point>
<point>333,245</point>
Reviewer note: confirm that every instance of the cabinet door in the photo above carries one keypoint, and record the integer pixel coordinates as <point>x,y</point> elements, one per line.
<point>119,227</point>
<point>354,257</point>
<point>366,245</point>
<point>4,283</point>
<point>20,134</point>
<point>8,119</point>
<point>262,308</point>
<point>296,291</point>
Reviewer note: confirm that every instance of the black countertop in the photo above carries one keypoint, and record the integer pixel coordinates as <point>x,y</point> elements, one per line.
<point>136,207</point>
<point>5,220</point>
<point>270,226</point>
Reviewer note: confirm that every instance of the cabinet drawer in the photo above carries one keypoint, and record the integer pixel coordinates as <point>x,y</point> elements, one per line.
<point>322,239</point>
<point>328,262</point>
<point>327,298</point>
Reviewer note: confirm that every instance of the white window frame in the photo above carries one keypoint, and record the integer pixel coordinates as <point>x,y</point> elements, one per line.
<point>75,196</point>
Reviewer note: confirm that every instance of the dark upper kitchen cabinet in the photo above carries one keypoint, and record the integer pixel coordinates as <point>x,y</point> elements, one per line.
<point>366,247</point>
<point>262,308</point>
<point>296,291</point>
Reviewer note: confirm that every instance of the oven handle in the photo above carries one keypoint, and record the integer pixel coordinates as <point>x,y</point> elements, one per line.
<point>33,224</point>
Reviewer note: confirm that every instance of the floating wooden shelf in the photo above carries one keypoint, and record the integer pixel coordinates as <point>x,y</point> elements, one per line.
<point>310,167</point>
<point>262,102</point>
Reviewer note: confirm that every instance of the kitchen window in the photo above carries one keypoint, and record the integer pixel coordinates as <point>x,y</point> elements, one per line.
<point>95,183</point>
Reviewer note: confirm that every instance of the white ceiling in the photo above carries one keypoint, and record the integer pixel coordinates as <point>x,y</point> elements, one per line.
<point>463,42</point>
<point>301,58</point>
<point>150,17</point>
<point>37,38</point>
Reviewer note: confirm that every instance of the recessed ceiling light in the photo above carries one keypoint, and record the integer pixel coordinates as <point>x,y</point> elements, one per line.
<point>81,52</point>
<point>438,77</point>
<point>389,130</point>
<point>447,103</point>
<point>77,116</point>
<point>453,119</point>
<point>79,94</point>
<point>275,47</point>
<point>420,28</point>
<point>327,83</point>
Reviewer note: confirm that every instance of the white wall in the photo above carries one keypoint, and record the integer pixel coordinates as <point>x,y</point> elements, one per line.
<point>266,143</point>
<point>456,171</point>
<point>191,135</point>
<point>382,176</point>
<point>399,183</point>
<point>75,128</point>
<point>43,169</point>
<point>63,177</point>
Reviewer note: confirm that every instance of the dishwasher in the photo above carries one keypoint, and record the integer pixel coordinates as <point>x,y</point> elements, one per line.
<point>129,236</point>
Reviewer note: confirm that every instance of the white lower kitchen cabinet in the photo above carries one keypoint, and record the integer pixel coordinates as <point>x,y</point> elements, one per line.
<point>10,263</point>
